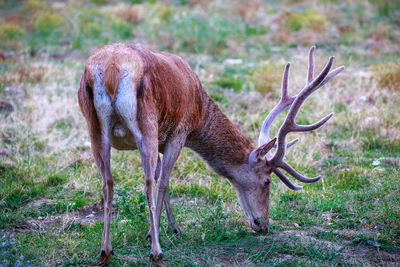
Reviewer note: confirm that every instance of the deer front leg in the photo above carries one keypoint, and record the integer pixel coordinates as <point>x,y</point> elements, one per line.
<point>171,153</point>
<point>101,153</point>
<point>170,215</point>
<point>149,153</point>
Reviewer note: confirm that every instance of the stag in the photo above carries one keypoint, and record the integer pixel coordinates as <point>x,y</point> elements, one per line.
<point>136,98</point>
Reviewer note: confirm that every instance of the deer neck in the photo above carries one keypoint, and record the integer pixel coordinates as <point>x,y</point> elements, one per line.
<point>219,142</point>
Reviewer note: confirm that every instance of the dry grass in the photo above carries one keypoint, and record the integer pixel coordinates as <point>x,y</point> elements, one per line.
<point>249,11</point>
<point>130,13</point>
<point>26,73</point>
<point>34,5</point>
<point>387,75</point>
<point>267,79</point>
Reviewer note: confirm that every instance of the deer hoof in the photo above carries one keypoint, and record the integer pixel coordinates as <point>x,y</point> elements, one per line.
<point>148,237</point>
<point>105,257</point>
<point>152,257</point>
<point>177,231</point>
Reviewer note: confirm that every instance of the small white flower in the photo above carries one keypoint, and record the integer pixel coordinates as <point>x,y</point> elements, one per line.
<point>375,162</point>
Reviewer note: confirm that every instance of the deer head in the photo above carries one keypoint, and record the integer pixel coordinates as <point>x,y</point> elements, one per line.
<point>253,181</point>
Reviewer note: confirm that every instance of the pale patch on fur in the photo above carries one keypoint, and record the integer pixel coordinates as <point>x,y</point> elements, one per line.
<point>125,103</point>
<point>125,107</point>
<point>119,130</point>
<point>102,103</point>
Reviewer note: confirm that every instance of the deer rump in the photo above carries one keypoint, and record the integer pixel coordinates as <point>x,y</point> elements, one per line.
<point>125,84</point>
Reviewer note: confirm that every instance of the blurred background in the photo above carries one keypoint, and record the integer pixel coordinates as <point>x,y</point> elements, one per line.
<point>363,33</point>
<point>50,189</point>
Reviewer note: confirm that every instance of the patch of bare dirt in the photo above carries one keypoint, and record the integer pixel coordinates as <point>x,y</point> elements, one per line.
<point>283,260</point>
<point>303,235</point>
<point>87,215</point>
<point>347,234</point>
<point>370,256</point>
<point>362,254</point>
<point>351,254</point>
<point>39,202</point>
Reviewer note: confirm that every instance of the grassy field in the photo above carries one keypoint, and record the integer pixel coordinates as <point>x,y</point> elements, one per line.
<point>50,188</point>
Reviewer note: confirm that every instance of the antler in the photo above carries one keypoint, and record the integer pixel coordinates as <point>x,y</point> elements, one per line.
<point>289,125</point>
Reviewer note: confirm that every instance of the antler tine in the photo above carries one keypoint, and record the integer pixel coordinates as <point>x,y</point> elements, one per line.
<point>285,82</point>
<point>284,165</point>
<point>286,180</point>
<point>330,75</point>
<point>291,143</point>
<point>283,105</point>
<point>310,88</point>
<point>310,75</point>
<point>305,128</point>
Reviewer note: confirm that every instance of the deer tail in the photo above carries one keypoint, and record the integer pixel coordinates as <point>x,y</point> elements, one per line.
<point>112,73</point>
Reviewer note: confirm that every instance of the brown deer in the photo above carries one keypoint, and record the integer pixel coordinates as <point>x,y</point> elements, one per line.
<point>136,98</point>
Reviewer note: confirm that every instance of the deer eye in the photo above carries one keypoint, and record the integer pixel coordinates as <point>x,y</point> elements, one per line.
<point>266,182</point>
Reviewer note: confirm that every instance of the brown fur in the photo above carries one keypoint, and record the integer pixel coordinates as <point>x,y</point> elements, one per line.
<point>217,140</point>
<point>111,58</point>
<point>85,99</point>
<point>172,88</point>
<point>112,74</point>
<point>175,90</point>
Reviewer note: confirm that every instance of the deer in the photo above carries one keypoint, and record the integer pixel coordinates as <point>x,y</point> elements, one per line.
<point>137,98</point>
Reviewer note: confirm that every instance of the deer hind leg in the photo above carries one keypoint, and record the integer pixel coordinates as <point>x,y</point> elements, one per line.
<point>148,148</point>
<point>101,153</point>
<point>98,113</point>
<point>143,126</point>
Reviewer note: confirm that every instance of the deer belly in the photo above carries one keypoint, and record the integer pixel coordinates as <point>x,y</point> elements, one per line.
<point>122,138</point>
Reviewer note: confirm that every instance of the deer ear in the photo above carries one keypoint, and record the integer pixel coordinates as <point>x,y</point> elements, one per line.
<point>263,150</point>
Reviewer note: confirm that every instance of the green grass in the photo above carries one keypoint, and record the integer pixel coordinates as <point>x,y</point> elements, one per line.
<point>51,190</point>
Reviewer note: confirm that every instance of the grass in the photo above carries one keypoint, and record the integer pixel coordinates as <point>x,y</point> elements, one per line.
<point>50,188</point>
